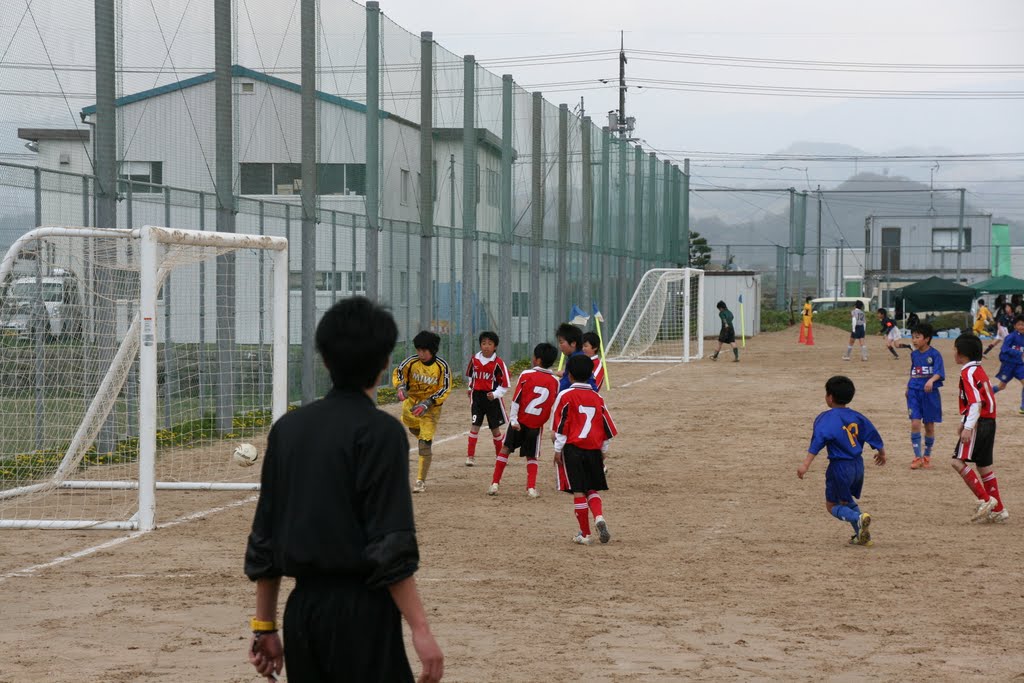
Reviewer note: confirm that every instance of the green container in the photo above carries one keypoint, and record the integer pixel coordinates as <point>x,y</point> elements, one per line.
<point>853,288</point>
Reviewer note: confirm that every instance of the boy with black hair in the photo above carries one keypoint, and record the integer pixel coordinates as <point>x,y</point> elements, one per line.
<point>857,326</point>
<point>335,513</point>
<point>727,335</point>
<point>982,319</point>
<point>487,379</point>
<point>977,431</point>
<point>532,400</point>
<point>844,432</point>
<point>570,338</point>
<point>423,381</point>
<point>592,350</point>
<point>924,405</point>
<point>583,427</point>
<point>1011,360</point>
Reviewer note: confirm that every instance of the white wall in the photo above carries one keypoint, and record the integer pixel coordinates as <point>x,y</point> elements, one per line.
<point>727,287</point>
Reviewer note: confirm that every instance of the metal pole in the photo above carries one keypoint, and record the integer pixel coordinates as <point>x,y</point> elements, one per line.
<point>686,208</point>
<point>469,200</point>
<point>308,40</point>
<point>224,116</point>
<point>426,176</point>
<point>562,295</point>
<point>587,179</point>
<point>372,149</point>
<point>820,275</point>
<point>651,227</point>
<point>638,204</point>
<point>536,212</point>
<point>604,217</point>
<point>665,247</point>
<point>960,236</point>
<point>168,351</point>
<point>452,276</point>
<point>505,250</point>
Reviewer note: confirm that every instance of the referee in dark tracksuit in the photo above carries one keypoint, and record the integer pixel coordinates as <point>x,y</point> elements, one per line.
<point>335,512</point>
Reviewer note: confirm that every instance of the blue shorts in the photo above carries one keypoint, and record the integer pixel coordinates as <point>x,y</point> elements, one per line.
<point>1009,371</point>
<point>844,480</point>
<point>924,406</point>
<point>858,332</point>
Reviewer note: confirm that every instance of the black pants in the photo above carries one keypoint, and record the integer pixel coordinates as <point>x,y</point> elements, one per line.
<point>337,629</point>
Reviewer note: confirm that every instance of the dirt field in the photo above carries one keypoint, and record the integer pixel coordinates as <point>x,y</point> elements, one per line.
<point>723,565</point>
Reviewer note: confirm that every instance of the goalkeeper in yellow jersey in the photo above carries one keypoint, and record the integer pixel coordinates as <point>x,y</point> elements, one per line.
<point>423,382</point>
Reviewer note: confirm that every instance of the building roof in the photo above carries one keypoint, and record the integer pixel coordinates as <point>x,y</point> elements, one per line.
<point>237,71</point>
<point>36,134</point>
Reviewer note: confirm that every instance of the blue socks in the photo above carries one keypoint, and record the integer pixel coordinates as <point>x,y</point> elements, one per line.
<point>929,441</point>
<point>915,441</point>
<point>848,513</point>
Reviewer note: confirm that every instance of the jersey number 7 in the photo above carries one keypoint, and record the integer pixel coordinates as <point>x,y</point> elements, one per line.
<point>588,412</point>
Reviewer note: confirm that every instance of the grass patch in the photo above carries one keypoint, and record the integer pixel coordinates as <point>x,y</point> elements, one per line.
<point>775,321</point>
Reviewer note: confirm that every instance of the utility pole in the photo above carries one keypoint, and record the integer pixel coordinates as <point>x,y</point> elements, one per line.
<point>622,84</point>
<point>960,237</point>
<point>821,279</point>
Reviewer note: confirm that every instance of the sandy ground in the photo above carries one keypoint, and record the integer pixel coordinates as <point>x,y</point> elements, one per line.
<point>723,565</point>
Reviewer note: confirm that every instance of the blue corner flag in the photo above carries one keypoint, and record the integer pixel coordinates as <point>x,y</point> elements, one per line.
<point>577,316</point>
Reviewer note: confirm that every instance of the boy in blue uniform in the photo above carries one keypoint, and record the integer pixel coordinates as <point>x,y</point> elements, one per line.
<point>1011,359</point>
<point>927,373</point>
<point>570,341</point>
<point>844,432</point>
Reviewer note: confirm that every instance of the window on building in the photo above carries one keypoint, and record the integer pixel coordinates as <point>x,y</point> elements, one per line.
<point>403,287</point>
<point>282,179</point>
<point>357,282</point>
<point>257,178</point>
<point>520,305</point>
<point>406,191</point>
<point>945,239</point>
<point>493,188</point>
<point>139,172</point>
<point>355,179</point>
<point>285,176</point>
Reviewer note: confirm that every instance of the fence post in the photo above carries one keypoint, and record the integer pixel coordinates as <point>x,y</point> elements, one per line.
<point>470,291</point>
<point>426,177</point>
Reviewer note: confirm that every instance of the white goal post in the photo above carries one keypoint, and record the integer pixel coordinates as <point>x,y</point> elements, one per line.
<point>664,321</point>
<point>134,362</point>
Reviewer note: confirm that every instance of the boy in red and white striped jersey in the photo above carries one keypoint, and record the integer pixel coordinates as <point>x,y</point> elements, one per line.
<point>583,427</point>
<point>592,349</point>
<point>487,379</point>
<point>531,406</point>
<point>977,431</point>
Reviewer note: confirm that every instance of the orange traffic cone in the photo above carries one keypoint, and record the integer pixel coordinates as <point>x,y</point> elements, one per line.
<point>803,334</point>
<point>810,335</point>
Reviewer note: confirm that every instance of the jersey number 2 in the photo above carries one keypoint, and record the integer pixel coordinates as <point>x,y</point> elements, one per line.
<point>533,407</point>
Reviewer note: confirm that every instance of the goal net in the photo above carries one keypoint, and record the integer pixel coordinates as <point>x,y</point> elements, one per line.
<point>135,361</point>
<point>664,320</point>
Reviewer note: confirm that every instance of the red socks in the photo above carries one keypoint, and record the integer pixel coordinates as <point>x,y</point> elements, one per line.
<point>471,452</point>
<point>531,473</point>
<point>973,483</point>
<point>594,501</point>
<point>582,514</point>
<point>992,488</point>
<point>497,445</point>
<point>499,468</point>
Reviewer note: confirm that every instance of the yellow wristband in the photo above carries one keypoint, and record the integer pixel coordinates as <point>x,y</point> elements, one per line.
<point>258,625</point>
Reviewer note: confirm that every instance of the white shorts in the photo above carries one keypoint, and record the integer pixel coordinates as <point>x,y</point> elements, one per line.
<point>894,335</point>
<point>1001,332</point>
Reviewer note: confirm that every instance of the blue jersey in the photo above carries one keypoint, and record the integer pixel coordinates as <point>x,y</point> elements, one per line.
<point>843,432</point>
<point>565,382</point>
<point>923,366</point>
<point>1012,351</point>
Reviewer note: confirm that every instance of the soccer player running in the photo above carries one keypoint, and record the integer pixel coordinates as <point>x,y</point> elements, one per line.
<point>487,379</point>
<point>583,427</point>
<point>924,405</point>
<point>977,431</point>
<point>857,323</point>
<point>844,432</point>
<point>532,401</point>
<point>726,335</point>
<point>1011,360</point>
<point>335,513</point>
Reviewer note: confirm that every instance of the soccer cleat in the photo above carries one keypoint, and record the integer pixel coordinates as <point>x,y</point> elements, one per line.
<point>602,531</point>
<point>917,463</point>
<point>469,461</point>
<point>493,490</point>
<point>580,539</point>
<point>714,356</point>
<point>1020,411</point>
<point>846,358</point>
<point>419,487</point>
<point>864,534</point>
<point>984,507</point>
<point>532,493</point>
<point>998,517</point>
<point>927,464</point>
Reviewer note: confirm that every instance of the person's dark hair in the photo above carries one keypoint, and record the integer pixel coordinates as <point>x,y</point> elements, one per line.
<point>355,338</point>
<point>546,353</point>
<point>808,300</point>
<point>487,334</point>
<point>592,339</point>
<point>925,330</point>
<point>570,333</point>
<point>580,368</point>
<point>1017,319</point>
<point>969,346</point>
<point>858,304</point>
<point>721,306</point>
<point>841,388</point>
<point>883,312</point>
<point>981,302</point>
<point>426,339</point>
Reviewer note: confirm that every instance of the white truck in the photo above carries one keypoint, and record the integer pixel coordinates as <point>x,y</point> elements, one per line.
<point>51,304</point>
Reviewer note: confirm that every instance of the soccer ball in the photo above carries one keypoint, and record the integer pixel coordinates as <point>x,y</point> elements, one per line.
<point>245,455</point>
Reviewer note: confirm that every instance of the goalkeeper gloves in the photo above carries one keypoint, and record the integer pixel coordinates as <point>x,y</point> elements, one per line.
<point>402,389</point>
<point>421,407</point>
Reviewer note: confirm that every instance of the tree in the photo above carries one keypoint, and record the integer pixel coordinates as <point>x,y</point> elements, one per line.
<point>700,252</point>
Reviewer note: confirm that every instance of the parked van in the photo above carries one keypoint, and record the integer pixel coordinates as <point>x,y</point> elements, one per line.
<point>52,304</point>
<point>828,303</point>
